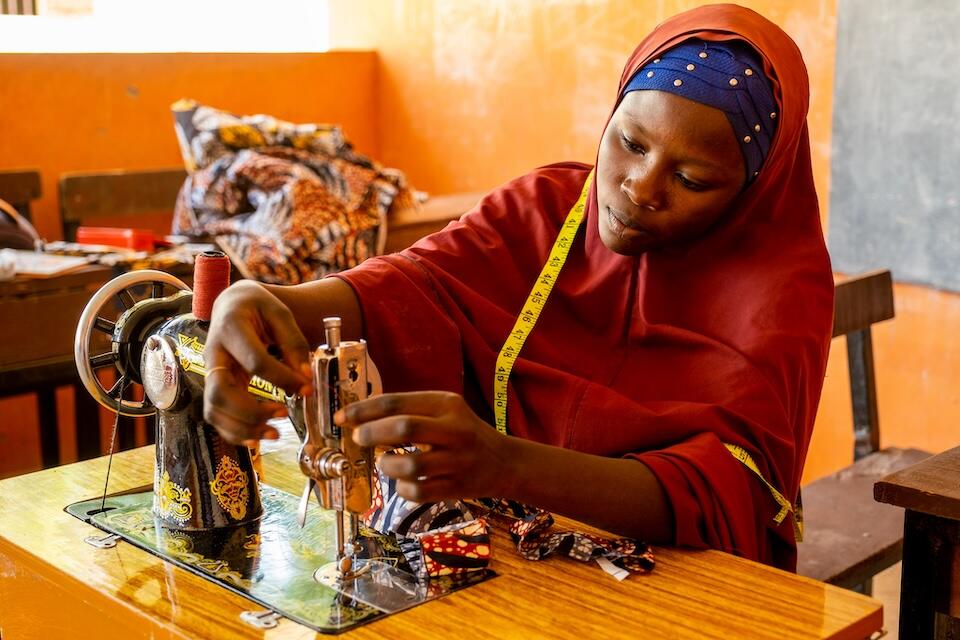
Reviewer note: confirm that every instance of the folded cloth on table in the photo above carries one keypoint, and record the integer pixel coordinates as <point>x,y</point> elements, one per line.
<point>287,202</point>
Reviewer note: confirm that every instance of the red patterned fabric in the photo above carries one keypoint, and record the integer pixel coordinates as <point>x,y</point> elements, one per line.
<point>661,357</point>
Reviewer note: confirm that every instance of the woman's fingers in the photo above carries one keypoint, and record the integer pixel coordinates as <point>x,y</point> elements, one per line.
<point>412,466</point>
<point>406,429</point>
<point>238,432</point>
<point>247,347</point>
<point>291,342</point>
<point>227,404</point>
<point>423,403</point>
<point>431,489</point>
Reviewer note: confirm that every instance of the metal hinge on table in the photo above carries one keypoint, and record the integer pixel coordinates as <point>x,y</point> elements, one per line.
<point>261,619</point>
<point>106,542</point>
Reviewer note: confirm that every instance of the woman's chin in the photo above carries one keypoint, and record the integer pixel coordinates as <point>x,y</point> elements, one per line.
<point>625,245</point>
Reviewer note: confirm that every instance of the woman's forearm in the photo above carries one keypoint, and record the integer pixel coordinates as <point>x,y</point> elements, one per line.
<point>615,494</point>
<point>311,302</point>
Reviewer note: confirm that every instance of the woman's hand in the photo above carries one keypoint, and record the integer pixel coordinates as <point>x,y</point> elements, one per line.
<point>247,320</point>
<point>462,456</point>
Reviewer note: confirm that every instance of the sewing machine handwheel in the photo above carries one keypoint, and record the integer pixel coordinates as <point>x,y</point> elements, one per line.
<point>92,320</point>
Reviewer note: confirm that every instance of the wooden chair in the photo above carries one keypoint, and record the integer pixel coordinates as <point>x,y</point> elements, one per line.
<point>849,537</point>
<point>114,198</point>
<point>29,364</point>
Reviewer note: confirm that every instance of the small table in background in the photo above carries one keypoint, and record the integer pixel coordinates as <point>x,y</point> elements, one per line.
<point>930,583</point>
<point>38,322</point>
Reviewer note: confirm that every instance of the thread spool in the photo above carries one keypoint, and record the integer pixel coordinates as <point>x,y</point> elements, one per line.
<point>211,275</point>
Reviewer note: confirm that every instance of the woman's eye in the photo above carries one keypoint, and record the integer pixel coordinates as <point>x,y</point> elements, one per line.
<point>689,184</point>
<point>630,145</point>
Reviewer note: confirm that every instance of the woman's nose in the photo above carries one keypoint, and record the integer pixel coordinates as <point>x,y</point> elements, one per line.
<point>643,190</point>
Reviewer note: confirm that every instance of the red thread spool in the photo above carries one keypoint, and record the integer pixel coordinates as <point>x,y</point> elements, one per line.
<point>211,275</point>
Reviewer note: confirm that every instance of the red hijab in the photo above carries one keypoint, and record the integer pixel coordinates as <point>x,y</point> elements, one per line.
<point>662,357</point>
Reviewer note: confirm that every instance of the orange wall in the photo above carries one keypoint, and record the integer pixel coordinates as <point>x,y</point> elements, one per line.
<point>475,92</point>
<point>90,112</point>
<point>465,95</point>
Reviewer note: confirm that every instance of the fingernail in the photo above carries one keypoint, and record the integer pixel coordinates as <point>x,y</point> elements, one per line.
<point>339,417</point>
<point>356,437</point>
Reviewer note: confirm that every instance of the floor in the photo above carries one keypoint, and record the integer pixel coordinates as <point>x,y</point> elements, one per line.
<point>886,588</point>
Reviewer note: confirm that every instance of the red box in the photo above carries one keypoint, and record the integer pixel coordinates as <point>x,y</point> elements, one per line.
<point>125,238</point>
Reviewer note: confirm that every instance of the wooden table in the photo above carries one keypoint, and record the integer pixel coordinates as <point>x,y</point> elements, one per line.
<point>930,582</point>
<point>38,323</point>
<point>52,582</point>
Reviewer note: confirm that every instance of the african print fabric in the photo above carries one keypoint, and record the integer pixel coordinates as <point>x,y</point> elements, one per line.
<point>289,203</point>
<point>447,538</point>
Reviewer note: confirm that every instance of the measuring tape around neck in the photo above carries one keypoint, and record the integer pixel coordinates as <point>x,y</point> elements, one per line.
<point>534,305</point>
<point>528,317</point>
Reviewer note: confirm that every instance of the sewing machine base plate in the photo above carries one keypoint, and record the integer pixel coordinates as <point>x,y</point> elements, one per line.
<point>272,561</point>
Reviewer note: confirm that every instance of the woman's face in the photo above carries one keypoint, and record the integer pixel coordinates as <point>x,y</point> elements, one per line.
<point>668,168</point>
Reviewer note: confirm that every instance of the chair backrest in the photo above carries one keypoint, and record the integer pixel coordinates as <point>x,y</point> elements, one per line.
<point>84,197</point>
<point>860,302</point>
<point>19,188</point>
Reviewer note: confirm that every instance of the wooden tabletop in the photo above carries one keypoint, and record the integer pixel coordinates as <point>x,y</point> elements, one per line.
<point>51,580</point>
<point>931,486</point>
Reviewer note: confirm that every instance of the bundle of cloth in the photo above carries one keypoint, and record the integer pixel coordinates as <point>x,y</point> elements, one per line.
<point>289,203</point>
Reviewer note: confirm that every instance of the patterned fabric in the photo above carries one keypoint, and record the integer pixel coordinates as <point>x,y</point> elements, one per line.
<point>446,538</point>
<point>530,529</point>
<point>287,202</point>
<point>447,551</point>
<point>390,513</point>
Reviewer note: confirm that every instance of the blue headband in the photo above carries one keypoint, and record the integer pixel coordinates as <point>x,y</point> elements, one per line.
<point>727,75</point>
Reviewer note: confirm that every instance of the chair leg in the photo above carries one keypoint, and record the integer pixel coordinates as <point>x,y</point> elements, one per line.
<point>928,543</point>
<point>865,587</point>
<point>49,433</point>
<point>87,413</point>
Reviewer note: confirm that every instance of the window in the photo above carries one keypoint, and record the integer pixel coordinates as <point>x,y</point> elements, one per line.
<point>76,26</point>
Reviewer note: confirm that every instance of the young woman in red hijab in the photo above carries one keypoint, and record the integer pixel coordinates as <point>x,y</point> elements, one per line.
<point>685,336</point>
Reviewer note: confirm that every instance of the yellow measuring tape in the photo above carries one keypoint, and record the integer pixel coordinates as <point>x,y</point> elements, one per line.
<point>528,317</point>
<point>534,305</point>
<point>785,507</point>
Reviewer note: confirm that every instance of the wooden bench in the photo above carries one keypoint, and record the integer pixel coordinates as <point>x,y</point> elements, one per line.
<point>849,537</point>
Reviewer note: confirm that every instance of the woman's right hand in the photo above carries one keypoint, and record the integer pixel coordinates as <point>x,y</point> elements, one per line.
<point>247,320</point>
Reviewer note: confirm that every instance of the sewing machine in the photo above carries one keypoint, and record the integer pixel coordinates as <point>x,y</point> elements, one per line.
<point>201,482</point>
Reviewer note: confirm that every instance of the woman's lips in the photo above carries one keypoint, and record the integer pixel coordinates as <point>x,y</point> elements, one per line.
<point>622,226</point>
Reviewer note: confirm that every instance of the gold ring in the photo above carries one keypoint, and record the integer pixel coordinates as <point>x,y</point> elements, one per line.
<point>213,370</point>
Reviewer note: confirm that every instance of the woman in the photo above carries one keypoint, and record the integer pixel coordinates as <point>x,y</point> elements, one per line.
<point>689,322</point>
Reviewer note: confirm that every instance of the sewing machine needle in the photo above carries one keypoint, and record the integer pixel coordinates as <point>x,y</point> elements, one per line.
<point>304,501</point>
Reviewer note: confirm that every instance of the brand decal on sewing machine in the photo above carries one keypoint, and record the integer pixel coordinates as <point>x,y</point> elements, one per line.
<point>190,354</point>
<point>229,486</point>
<point>171,500</point>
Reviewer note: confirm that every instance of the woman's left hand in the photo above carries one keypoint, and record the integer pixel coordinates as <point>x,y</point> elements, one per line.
<point>461,455</point>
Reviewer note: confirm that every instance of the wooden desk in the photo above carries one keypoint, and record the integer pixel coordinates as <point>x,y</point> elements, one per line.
<point>930,579</point>
<point>51,581</point>
<point>38,322</point>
